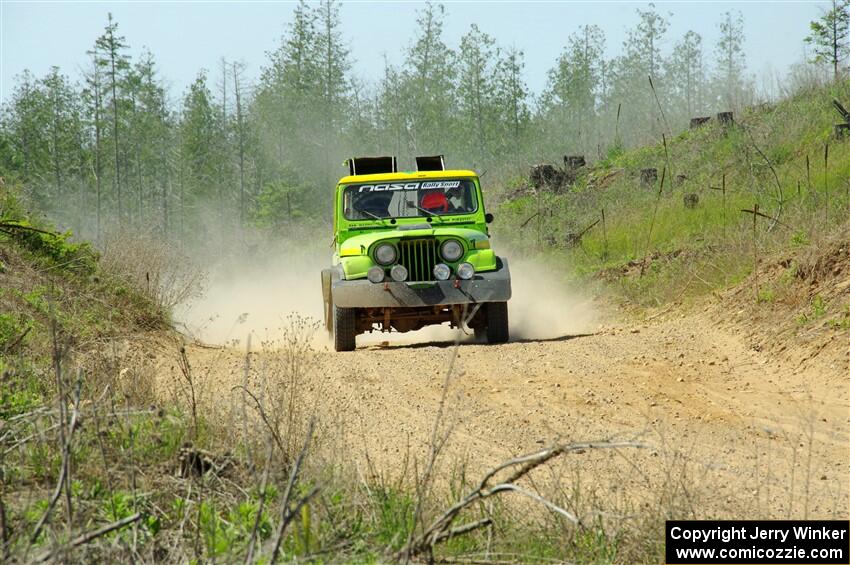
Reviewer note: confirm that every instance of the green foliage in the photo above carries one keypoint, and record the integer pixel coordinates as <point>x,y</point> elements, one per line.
<point>19,394</point>
<point>594,545</point>
<point>12,329</point>
<point>55,249</point>
<point>829,35</point>
<point>395,517</point>
<point>278,203</point>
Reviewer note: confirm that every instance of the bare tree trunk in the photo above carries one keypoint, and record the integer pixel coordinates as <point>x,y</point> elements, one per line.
<point>241,133</point>
<point>115,130</point>
<point>97,135</point>
<point>55,137</point>
<point>138,152</point>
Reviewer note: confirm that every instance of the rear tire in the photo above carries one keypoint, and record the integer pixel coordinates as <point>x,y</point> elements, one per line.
<point>497,322</point>
<point>345,328</point>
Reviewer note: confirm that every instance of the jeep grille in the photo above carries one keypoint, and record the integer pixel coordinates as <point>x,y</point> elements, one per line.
<point>419,257</point>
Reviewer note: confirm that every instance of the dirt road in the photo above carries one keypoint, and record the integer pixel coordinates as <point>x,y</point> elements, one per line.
<point>728,428</point>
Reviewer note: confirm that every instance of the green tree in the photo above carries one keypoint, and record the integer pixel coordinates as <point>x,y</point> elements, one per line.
<point>25,118</point>
<point>629,89</point>
<point>64,134</point>
<point>428,78</point>
<point>476,93</point>
<point>391,119</point>
<point>511,98</point>
<point>334,85</point>
<point>687,76</point>
<point>239,127</point>
<point>828,36</point>
<point>200,154</point>
<point>151,129</point>
<point>109,54</point>
<point>574,86</point>
<point>730,59</point>
<point>93,101</point>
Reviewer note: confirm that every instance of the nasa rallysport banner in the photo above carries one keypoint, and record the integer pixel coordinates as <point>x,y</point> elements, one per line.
<point>763,542</point>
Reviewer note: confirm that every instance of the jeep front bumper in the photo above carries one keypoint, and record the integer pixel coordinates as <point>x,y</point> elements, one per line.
<point>491,286</point>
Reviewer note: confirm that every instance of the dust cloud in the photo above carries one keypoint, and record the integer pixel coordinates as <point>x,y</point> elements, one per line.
<point>256,295</point>
<point>544,306</point>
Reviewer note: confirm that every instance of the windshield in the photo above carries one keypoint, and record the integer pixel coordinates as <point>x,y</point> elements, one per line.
<point>409,199</point>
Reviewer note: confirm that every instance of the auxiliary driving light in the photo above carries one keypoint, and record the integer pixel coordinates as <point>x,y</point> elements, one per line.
<point>451,250</point>
<point>385,254</point>
<point>375,274</point>
<point>399,273</point>
<point>442,272</point>
<point>465,271</point>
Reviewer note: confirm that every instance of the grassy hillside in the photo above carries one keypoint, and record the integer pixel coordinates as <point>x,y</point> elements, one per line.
<point>651,247</point>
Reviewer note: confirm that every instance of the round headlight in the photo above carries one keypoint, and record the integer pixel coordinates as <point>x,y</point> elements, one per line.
<point>398,273</point>
<point>442,272</point>
<point>375,274</point>
<point>465,271</point>
<point>451,250</point>
<point>385,254</point>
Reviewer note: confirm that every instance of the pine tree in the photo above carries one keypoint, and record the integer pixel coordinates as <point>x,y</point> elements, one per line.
<point>63,131</point>
<point>151,130</point>
<point>629,85</point>
<point>334,86</point>
<point>286,97</point>
<point>109,53</point>
<point>93,99</point>
<point>199,152</point>
<point>574,84</point>
<point>475,93</point>
<point>239,127</point>
<point>687,76</point>
<point>730,59</point>
<point>391,118</point>
<point>512,101</point>
<point>428,83</point>
<point>25,121</point>
<point>829,36</point>
<point>645,40</point>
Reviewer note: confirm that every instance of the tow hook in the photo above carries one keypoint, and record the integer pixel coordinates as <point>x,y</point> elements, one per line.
<point>387,286</point>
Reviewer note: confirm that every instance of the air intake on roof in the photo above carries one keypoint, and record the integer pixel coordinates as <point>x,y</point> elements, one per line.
<point>433,163</point>
<point>372,165</point>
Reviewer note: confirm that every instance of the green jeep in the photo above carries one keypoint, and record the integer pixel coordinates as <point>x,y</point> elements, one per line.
<point>412,249</point>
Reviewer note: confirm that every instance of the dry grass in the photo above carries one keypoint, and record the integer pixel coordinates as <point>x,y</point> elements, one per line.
<point>155,267</point>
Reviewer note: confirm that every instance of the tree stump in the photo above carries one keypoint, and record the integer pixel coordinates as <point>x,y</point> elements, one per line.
<point>691,200</point>
<point>543,176</point>
<point>842,131</point>
<point>573,162</point>
<point>726,119</point>
<point>648,177</point>
<point>700,121</point>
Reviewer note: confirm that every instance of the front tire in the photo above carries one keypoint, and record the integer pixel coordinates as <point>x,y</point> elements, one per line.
<point>344,328</point>
<point>497,322</point>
